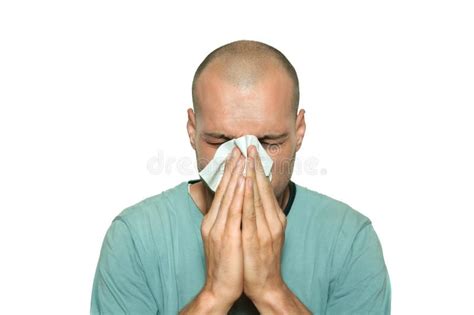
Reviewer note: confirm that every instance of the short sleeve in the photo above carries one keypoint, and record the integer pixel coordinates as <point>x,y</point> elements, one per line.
<point>362,285</point>
<point>120,286</point>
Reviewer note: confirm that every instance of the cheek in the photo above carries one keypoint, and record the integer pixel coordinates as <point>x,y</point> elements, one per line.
<point>204,154</point>
<point>282,167</point>
<point>282,161</point>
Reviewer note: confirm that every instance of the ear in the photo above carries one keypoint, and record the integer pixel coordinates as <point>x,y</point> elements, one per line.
<point>191,127</point>
<point>300,128</point>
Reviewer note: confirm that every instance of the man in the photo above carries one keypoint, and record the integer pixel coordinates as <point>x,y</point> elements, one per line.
<point>255,245</point>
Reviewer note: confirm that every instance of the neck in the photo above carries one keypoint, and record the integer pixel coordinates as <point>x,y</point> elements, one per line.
<point>203,196</point>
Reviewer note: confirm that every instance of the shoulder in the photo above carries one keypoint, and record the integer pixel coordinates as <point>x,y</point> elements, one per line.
<point>331,211</point>
<point>152,205</point>
<point>152,214</point>
<point>349,233</point>
<point>334,221</point>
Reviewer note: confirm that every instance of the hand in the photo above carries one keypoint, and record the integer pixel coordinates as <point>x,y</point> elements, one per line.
<point>222,237</point>
<point>263,233</point>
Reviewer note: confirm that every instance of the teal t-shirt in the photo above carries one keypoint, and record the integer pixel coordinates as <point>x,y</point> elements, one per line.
<point>152,258</point>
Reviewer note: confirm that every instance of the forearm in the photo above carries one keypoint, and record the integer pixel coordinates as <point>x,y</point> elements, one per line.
<point>205,303</point>
<point>282,301</point>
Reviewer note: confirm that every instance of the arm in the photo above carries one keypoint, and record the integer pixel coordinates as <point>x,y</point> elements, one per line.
<point>361,283</point>
<point>120,285</point>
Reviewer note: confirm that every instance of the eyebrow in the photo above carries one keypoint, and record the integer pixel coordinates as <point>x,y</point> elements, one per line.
<point>269,136</point>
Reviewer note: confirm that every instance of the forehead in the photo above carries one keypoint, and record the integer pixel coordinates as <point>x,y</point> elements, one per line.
<point>261,108</point>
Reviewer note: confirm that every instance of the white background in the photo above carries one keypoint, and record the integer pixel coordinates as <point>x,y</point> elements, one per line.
<point>93,99</point>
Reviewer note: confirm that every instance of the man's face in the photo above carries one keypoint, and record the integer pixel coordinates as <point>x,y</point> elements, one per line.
<point>262,109</point>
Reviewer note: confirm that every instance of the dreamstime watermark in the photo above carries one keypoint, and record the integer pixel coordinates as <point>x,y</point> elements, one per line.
<point>162,164</point>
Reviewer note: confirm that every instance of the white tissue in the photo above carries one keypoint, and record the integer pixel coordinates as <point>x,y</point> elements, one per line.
<point>214,170</point>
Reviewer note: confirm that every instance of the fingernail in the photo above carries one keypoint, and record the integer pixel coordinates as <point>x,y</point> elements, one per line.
<point>253,151</point>
<point>235,152</point>
<point>230,155</point>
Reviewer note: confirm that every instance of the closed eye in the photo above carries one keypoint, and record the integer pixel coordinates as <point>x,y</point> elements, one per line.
<point>215,143</point>
<point>272,147</point>
<point>263,143</point>
<point>271,143</point>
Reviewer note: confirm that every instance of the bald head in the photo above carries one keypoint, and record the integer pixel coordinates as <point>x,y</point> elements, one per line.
<point>244,64</point>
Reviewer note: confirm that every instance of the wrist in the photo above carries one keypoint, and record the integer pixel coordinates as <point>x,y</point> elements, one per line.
<point>211,304</point>
<point>273,301</point>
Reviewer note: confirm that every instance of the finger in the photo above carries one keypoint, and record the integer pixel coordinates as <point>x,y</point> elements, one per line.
<point>229,195</point>
<point>231,162</point>
<point>234,216</point>
<point>268,200</point>
<point>263,231</point>
<point>249,224</point>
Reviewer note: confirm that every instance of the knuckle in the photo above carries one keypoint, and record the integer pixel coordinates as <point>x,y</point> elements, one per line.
<point>278,233</point>
<point>215,236</point>
<point>234,216</point>
<point>248,236</point>
<point>251,215</point>
<point>204,228</point>
<point>220,190</point>
<point>205,220</point>
<point>230,236</point>
<point>265,240</point>
<point>204,232</point>
<point>235,208</point>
